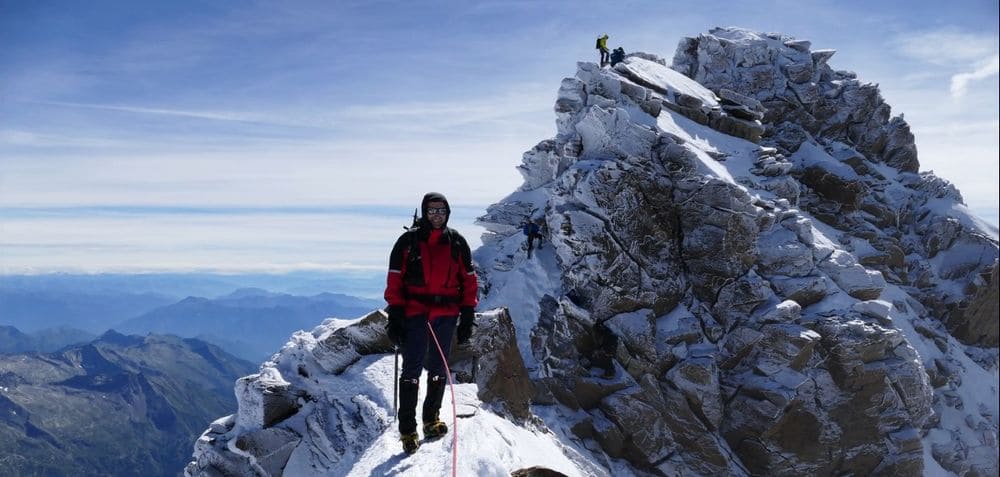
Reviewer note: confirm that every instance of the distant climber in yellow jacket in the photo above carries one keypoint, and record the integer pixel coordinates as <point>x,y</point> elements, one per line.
<point>602,44</point>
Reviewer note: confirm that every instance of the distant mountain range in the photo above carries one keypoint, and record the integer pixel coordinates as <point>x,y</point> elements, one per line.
<point>247,322</point>
<point>118,405</point>
<point>72,403</point>
<point>364,283</point>
<point>95,311</point>
<point>250,322</point>
<point>12,340</point>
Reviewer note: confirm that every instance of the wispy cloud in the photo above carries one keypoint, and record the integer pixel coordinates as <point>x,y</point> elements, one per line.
<point>964,56</point>
<point>241,117</point>
<point>443,116</point>
<point>138,239</point>
<point>947,47</point>
<point>959,128</point>
<point>983,70</point>
<point>23,138</point>
<point>514,99</point>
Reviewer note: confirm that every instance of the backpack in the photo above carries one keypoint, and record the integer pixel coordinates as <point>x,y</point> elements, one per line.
<point>598,44</point>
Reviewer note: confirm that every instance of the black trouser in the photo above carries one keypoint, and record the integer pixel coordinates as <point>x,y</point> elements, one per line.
<point>605,57</point>
<point>531,242</point>
<point>417,347</point>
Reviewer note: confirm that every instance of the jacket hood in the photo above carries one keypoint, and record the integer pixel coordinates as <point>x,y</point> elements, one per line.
<point>433,197</point>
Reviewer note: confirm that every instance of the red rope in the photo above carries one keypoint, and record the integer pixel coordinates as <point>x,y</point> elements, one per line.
<point>454,408</point>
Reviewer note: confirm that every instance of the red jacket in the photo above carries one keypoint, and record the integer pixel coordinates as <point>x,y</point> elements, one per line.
<point>437,282</point>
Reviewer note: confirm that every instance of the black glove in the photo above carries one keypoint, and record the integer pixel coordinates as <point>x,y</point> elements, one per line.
<point>465,324</point>
<point>395,330</point>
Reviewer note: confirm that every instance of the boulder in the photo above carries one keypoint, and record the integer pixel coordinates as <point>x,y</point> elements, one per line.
<point>805,291</point>
<point>853,278</point>
<point>783,187</point>
<point>829,184</point>
<point>780,252</point>
<point>771,166</point>
<point>264,399</point>
<point>900,150</point>
<point>268,448</point>
<point>500,372</point>
<point>977,323</point>
<point>739,126</point>
<point>536,471</point>
<point>798,45</point>
<point>688,101</point>
<point>729,96</point>
<point>697,114</point>
<point>339,348</point>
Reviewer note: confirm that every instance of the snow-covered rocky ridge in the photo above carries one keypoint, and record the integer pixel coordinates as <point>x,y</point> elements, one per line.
<point>322,406</point>
<point>743,273</point>
<point>806,305</point>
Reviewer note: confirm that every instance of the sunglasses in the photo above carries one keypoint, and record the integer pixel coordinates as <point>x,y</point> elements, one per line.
<point>437,211</point>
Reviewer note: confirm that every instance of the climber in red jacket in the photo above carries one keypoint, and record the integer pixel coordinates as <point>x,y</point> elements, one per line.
<point>431,280</point>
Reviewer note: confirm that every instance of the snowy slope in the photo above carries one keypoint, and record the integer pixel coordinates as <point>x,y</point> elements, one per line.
<point>320,408</point>
<point>487,443</point>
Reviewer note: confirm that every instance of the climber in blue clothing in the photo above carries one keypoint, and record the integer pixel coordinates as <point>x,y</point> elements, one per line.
<point>532,231</point>
<point>617,56</point>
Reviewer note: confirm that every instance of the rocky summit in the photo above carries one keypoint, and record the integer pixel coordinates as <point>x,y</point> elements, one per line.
<point>742,272</point>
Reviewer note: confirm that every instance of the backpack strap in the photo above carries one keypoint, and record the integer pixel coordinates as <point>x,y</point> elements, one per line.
<point>460,249</point>
<point>414,265</point>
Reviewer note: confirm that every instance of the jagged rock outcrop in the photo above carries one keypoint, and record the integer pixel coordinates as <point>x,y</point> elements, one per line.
<point>293,416</point>
<point>653,89</point>
<point>723,307</point>
<point>837,131</point>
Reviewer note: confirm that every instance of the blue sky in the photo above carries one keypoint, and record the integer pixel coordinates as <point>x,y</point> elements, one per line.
<point>238,135</point>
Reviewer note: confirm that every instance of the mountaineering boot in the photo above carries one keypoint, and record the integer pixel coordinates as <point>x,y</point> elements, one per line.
<point>407,414</point>
<point>433,427</point>
<point>411,442</point>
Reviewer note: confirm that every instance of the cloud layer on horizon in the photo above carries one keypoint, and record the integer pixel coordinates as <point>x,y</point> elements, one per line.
<point>210,105</point>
